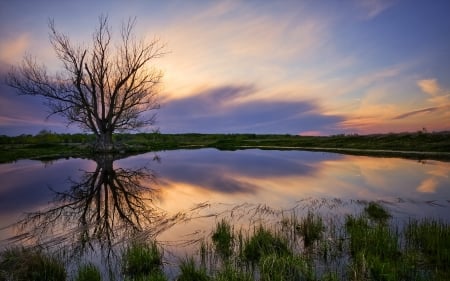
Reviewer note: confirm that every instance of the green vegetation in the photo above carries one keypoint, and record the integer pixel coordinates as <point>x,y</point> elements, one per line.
<point>230,273</point>
<point>285,267</point>
<point>30,264</point>
<point>377,212</point>
<point>143,261</point>
<point>429,241</point>
<point>88,272</point>
<point>263,243</point>
<point>362,247</point>
<point>50,145</point>
<point>310,228</point>
<point>223,239</point>
<point>191,272</point>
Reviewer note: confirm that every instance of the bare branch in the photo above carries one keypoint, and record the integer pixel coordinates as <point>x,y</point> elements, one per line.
<point>102,88</point>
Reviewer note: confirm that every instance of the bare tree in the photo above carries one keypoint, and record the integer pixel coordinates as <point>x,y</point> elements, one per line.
<point>105,87</point>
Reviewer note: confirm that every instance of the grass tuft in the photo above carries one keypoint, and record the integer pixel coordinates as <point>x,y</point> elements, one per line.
<point>88,272</point>
<point>223,239</point>
<point>30,264</point>
<point>287,267</point>
<point>377,212</point>
<point>263,243</point>
<point>311,229</point>
<point>142,259</point>
<point>190,272</point>
<point>229,273</point>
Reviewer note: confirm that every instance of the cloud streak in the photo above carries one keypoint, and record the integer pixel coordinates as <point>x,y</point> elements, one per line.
<point>224,110</point>
<point>415,112</point>
<point>372,8</point>
<point>315,68</point>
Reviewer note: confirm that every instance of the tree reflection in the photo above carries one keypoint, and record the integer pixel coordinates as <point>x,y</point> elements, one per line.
<point>100,209</point>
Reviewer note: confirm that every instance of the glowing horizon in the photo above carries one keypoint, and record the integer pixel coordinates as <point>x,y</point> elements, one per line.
<point>296,67</point>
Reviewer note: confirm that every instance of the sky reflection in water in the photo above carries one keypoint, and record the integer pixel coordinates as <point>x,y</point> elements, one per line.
<point>221,180</point>
<point>280,178</point>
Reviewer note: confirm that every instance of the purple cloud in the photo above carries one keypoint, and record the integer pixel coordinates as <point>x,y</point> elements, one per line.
<point>218,111</point>
<point>415,112</point>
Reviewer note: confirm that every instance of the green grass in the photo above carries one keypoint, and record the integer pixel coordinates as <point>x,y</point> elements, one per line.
<point>377,212</point>
<point>374,250</point>
<point>223,239</point>
<point>365,246</point>
<point>229,273</point>
<point>88,272</point>
<point>431,240</point>
<point>310,229</point>
<point>142,260</point>
<point>17,264</point>
<point>263,243</point>
<point>285,267</point>
<point>50,145</point>
<point>190,271</point>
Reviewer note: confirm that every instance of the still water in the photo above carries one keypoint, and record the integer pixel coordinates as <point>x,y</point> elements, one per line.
<point>176,197</point>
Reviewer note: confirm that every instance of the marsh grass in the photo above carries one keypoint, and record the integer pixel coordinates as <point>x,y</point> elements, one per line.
<point>30,264</point>
<point>143,261</point>
<point>430,241</point>
<point>360,247</point>
<point>310,229</point>
<point>285,267</point>
<point>223,239</point>
<point>377,212</point>
<point>190,271</point>
<point>230,273</point>
<point>88,272</point>
<point>264,242</point>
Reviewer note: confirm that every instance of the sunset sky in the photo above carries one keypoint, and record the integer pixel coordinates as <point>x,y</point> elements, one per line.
<point>296,67</point>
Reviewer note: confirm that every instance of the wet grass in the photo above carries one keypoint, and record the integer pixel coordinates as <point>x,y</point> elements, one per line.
<point>88,272</point>
<point>223,239</point>
<point>311,229</point>
<point>429,241</point>
<point>190,271</point>
<point>232,273</point>
<point>365,246</point>
<point>30,264</point>
<point>285,267</point>
<point>262,243</point>
<point>142,261</point>
<point>377,212</point>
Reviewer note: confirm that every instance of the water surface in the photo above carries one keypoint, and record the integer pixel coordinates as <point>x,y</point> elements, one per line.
<point>177,196</point>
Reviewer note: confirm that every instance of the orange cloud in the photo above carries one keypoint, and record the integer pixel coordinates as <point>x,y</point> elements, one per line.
<point>243,51</point>
<point>429,86</point>
<point>13,49</point>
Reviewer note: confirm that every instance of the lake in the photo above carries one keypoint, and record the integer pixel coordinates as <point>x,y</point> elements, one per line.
<point>176,197</point>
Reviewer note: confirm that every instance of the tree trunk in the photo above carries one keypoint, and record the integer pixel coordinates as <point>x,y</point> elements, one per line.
<point>104,142</point>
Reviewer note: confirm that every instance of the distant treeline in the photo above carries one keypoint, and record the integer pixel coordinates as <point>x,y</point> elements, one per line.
<point>418,141</point>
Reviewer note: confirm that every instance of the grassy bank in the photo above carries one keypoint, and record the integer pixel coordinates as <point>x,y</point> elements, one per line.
<point>366,246</point>
<point>420,145</point>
